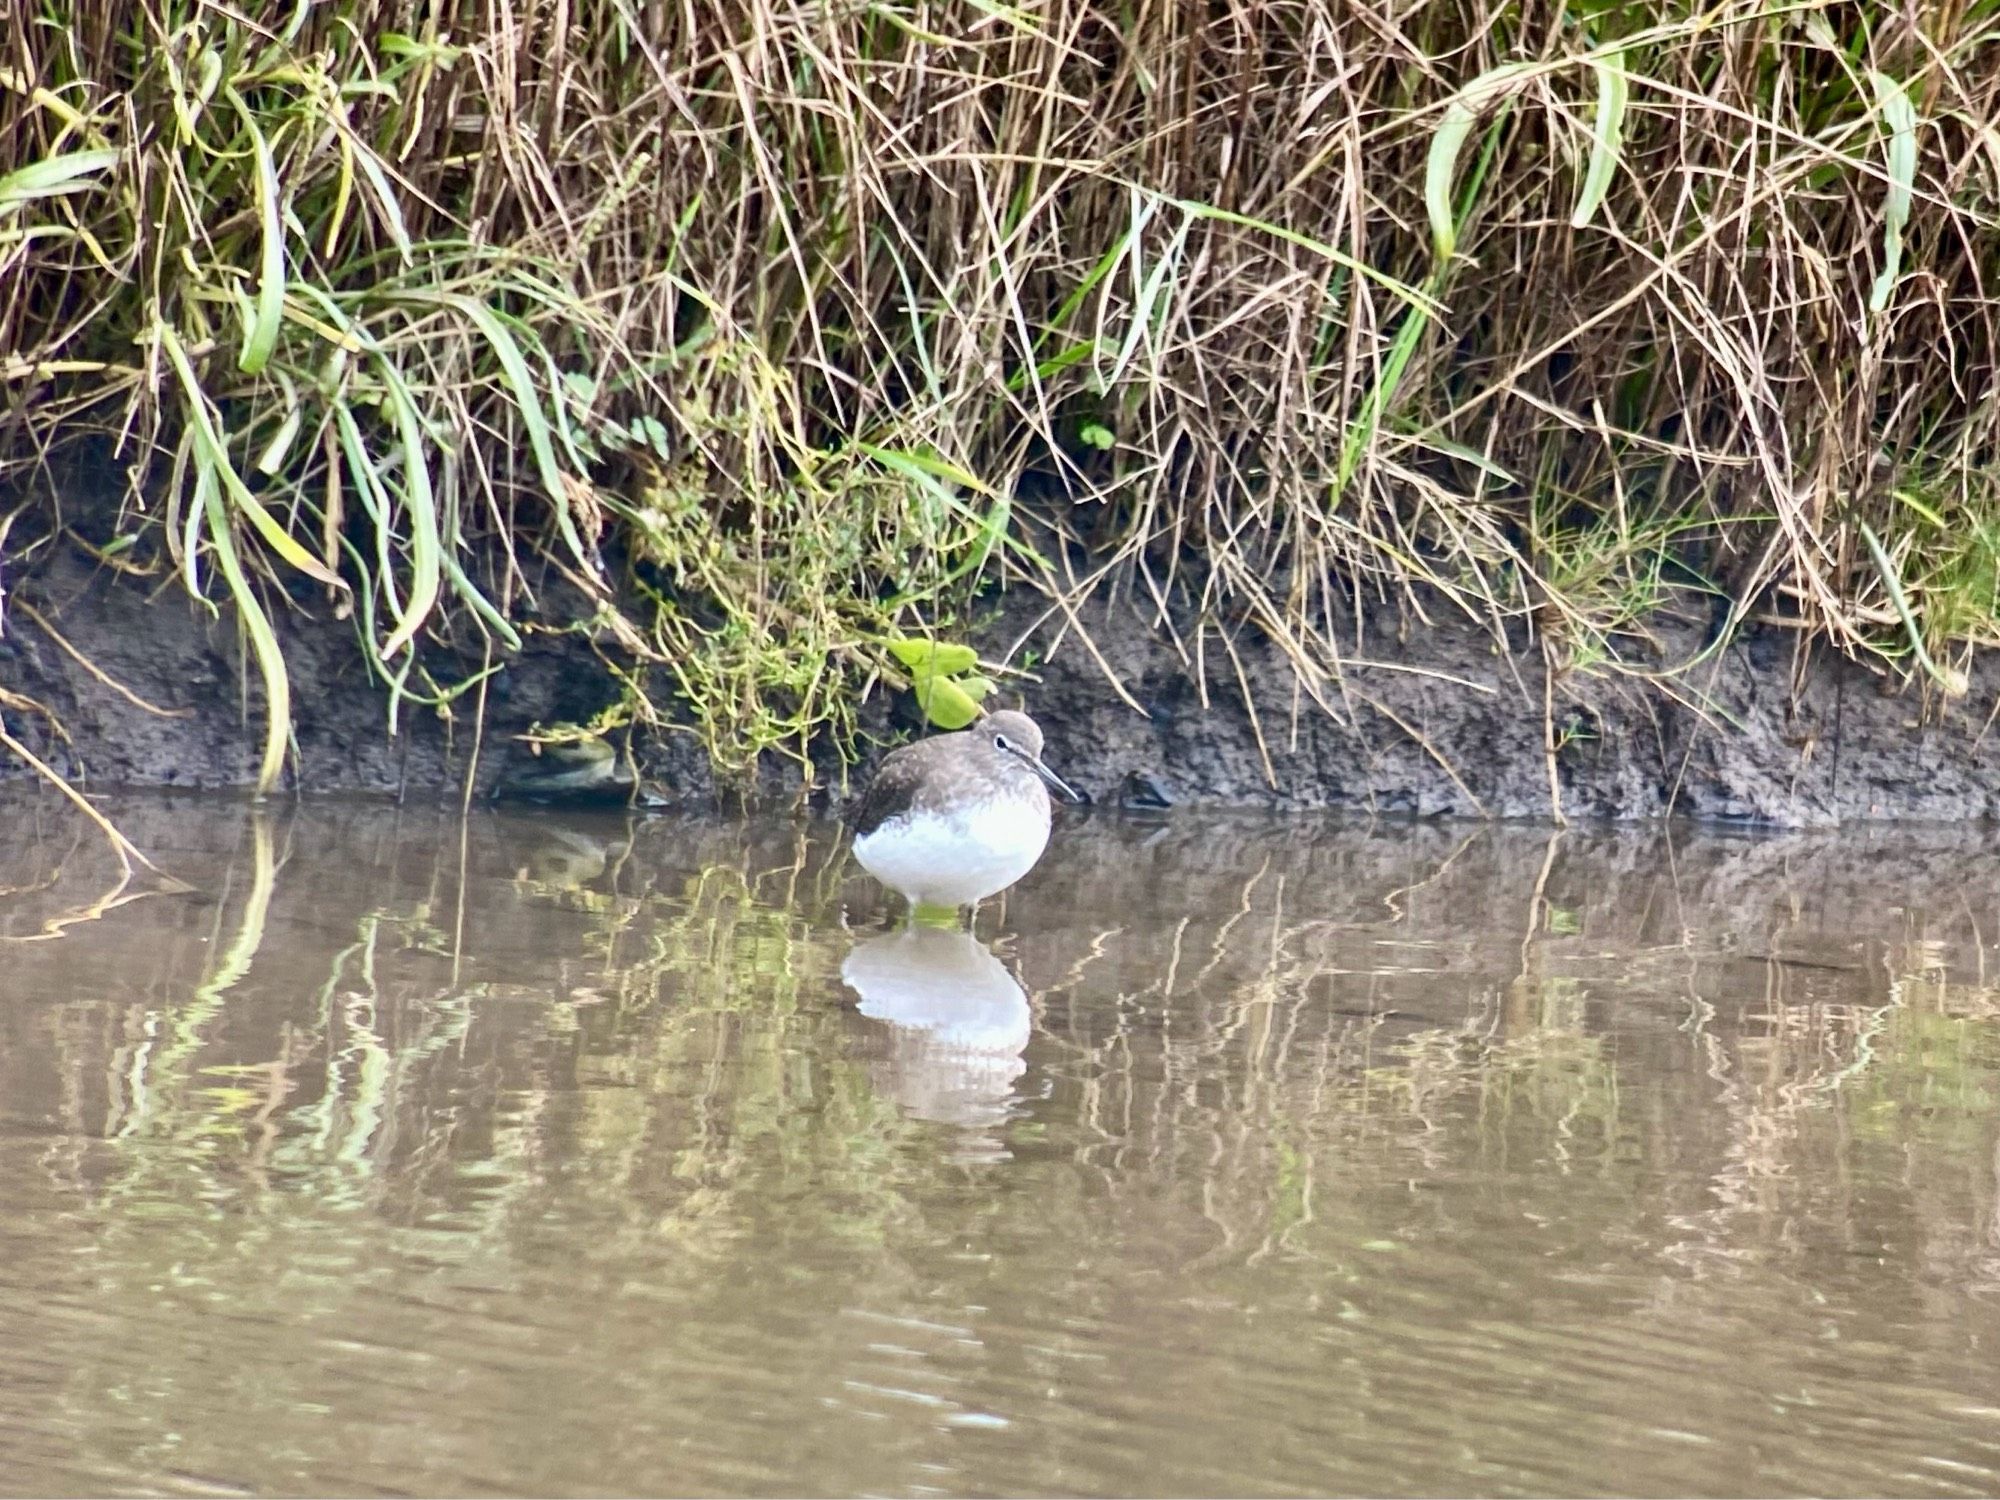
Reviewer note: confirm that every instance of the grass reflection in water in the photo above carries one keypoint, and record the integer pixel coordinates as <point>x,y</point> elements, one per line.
<point>585,1153</point>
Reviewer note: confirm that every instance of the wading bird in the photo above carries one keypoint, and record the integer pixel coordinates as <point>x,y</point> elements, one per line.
<point>953,819</point>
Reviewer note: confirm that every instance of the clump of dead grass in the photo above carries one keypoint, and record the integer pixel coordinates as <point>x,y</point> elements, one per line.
<point>1566,314</point>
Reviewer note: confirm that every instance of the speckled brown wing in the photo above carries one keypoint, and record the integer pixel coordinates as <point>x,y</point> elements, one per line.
<point>895,787</point>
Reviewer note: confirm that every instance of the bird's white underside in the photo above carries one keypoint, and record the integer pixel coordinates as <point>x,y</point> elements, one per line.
<point>956,858</point>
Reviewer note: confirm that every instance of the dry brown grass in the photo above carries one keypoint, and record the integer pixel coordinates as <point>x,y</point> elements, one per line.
<point>795,303</point>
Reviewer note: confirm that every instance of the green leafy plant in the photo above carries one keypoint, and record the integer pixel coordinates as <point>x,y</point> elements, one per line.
<point>403,316</point>
<point>942,676</point>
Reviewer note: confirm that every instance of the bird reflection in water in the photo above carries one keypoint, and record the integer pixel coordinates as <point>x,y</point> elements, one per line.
<point>957,1024</point>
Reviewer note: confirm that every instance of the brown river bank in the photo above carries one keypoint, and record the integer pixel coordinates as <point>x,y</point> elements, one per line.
<point>1431,719</point>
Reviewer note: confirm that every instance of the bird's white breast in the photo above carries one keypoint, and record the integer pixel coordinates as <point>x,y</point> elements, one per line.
<point>956,858</point>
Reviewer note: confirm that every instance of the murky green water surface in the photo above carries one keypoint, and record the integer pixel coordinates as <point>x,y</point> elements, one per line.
<point>575,1155</point>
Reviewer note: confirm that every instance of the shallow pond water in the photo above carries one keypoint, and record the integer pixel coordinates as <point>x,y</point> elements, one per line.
<point>570,1154</point>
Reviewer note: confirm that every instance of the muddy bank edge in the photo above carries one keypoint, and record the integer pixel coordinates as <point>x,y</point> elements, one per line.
<point>1433,720</point>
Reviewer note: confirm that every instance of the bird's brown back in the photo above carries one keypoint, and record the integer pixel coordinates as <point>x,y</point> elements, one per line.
<point>898,784</point>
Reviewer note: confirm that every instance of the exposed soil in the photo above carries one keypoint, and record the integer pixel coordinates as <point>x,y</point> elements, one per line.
<point>1442,723</point>
<point>1435,722</point>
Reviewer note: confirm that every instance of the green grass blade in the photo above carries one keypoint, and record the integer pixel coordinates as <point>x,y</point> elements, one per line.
<point>520,383</point>
<point>1607,132</point>
<point>211,449</point>
<point>934,476</point>
<point>480,604</point>
<point>52,177</point>
<point>1145,205</point>
<point>1014,16</point>
<point>1441,164</point>
<point>1055,364</point>
<point>369,486</point>
<point>926,465</point>
<point>262,336</point>
<point>1339,257</point>
<point>185,518</point>
<point>1952,681</point>
<point>1467,455</point>
<point>263,640</point>
<point>1901,117</point>
<point>385,198</point>
<point>421,505</point>
<point>279,449</point>
<point>1146,299</point>
<point>1361,432</point>
<point>1922,509</point>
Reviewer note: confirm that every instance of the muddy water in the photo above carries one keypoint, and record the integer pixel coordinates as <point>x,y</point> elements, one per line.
<point>567,1155</point>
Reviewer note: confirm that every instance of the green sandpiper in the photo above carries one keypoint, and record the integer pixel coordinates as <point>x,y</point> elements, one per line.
<point>953,819</point>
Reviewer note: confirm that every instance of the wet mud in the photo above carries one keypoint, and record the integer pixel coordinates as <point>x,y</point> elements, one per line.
<point>1429,719</point>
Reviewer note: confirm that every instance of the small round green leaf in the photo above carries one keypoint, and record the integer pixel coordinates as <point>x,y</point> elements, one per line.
<point>934,658</point>
<point>945,703</point>
<point>655,432</point>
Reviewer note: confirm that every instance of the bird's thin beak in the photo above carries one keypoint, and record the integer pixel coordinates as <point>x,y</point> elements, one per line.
<point>1052,779</point>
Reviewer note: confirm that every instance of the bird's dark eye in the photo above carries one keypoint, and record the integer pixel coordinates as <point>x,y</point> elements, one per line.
<point>1000,742</point>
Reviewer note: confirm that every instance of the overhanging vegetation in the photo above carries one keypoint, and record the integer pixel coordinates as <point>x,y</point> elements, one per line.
<point>794,315</point>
